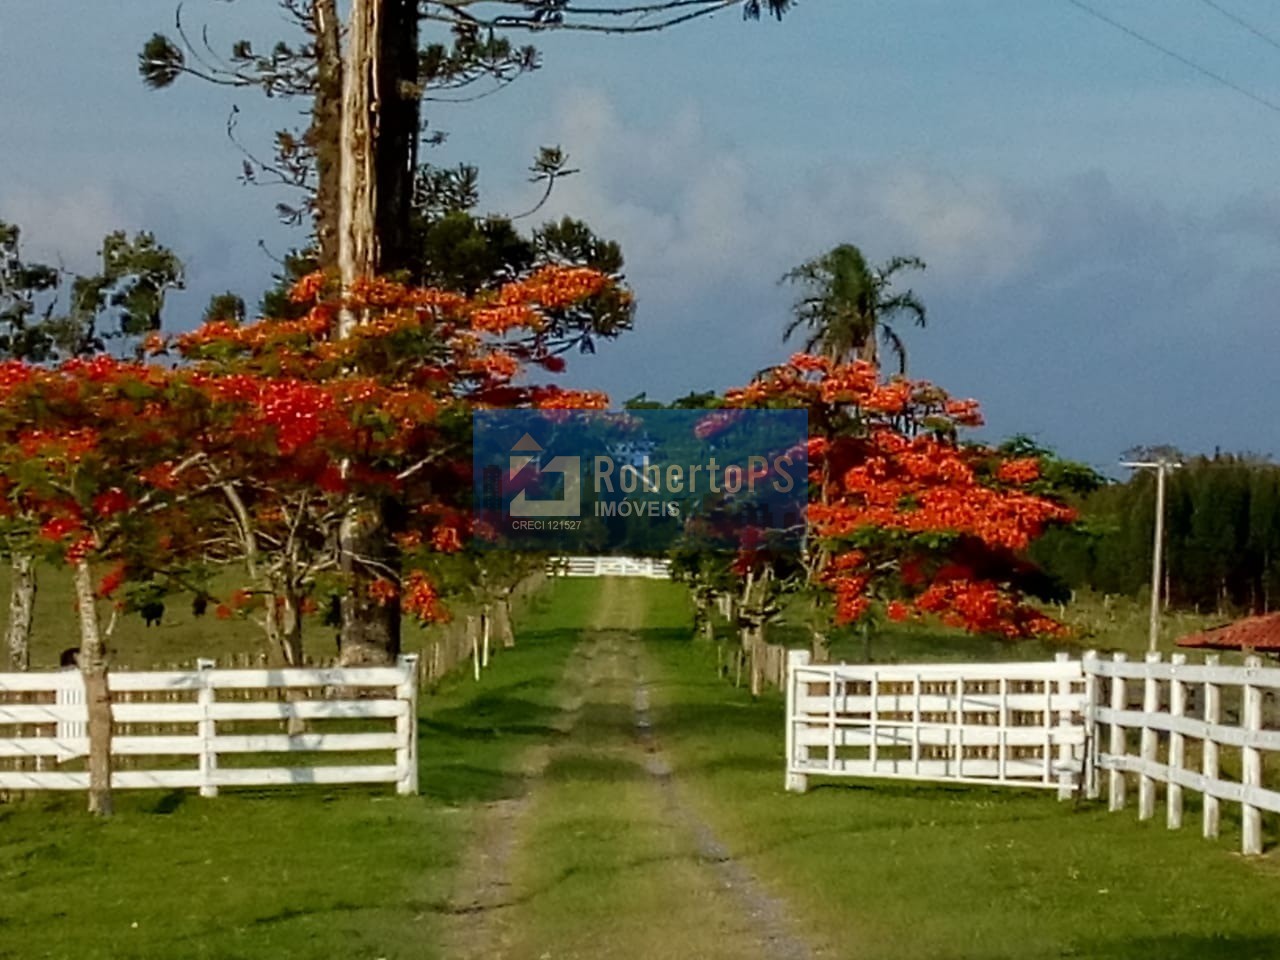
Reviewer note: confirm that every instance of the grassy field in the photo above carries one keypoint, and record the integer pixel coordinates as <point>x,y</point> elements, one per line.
<point>602,864</point>
<point>181,636</point>
<point>913,872</point>
<point>312,873</point>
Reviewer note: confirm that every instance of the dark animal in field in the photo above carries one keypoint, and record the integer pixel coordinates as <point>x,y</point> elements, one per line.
<point>152,613</point>
<point>199,604</point>
<point>70,657</point>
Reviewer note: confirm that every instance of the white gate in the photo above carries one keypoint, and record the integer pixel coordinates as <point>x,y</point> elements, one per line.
<point>653,568</point>
<point>1015,724</point>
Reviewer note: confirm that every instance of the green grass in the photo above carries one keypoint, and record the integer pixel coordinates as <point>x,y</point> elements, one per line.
<point>305,873</point>
<point>897,871</point>
<point>604,868</point>
<point>181,637</point>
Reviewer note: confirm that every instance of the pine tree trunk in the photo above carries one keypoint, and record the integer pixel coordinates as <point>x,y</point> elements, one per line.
<point>370,626</point>
<point>357,237</point>
<point>378,155</point>
<point>22,602</point>
<point>93,663</point>
<point>326,129</point>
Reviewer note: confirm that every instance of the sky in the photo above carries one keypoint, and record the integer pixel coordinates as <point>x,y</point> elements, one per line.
<point>1100,220</point>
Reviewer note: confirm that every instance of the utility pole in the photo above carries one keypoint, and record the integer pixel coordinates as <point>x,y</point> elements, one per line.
<point>1161,466</point>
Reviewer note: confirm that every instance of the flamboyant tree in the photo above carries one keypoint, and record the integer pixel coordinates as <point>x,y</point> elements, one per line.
<point>47,314</point>
<point>906,520</point>
<point>260,442</point>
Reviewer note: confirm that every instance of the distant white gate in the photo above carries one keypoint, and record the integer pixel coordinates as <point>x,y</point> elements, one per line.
<point>1015,724</point>
<point>653,568</point>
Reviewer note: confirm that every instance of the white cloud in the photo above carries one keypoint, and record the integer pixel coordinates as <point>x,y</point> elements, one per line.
<point>694,215</point>
<point>66,227</point>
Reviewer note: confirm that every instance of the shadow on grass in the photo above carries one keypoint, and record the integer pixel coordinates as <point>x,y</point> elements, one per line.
<point>1177,947</point>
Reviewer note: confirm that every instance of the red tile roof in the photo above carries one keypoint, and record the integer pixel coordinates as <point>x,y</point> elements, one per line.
<point>1256,633</point>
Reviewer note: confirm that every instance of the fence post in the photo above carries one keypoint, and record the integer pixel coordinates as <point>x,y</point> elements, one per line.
<point>1089,765</point>
<point>1066,771</point>
<point>1209,762</point>
<point>1150,704</point>
<point>473,634</point>
<point>1116,747</point>
<point>407,726</point>
<point>1251,763</point>
<point>795,782</point>
<point>1177,743</point>
<point>206,729</point>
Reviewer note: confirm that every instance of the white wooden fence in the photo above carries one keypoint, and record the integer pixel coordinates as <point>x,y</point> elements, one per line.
<point>185,722</point>
<point>1186,709</point>
<point>1020,724</point>
<point>1169,725</point>
<point>651,567</point>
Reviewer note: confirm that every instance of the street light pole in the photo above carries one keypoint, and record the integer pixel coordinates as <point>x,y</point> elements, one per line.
<point>1162,467</point>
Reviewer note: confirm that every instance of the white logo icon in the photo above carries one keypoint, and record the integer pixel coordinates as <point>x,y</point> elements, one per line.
<point>525,453</point>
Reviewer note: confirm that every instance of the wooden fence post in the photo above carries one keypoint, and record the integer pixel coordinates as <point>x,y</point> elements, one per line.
<point>1150,704</point>
<point>407,726</point>
<point>1177,744</point>
<point>1209,762</point>
<point>795,782</point>
<point>1251,763</point>
<point>1089,664</point>
<point>206,729</point>
<point>473,633</point>
<point>1117,747</point>
<point>1066,771</point>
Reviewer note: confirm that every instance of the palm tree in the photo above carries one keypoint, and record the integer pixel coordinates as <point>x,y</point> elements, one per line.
<point>846,301</point>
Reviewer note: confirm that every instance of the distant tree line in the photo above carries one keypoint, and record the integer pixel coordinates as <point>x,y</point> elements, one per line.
<point>1222,536</point>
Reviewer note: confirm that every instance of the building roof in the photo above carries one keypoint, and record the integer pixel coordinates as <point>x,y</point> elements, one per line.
<point>1255,633</point>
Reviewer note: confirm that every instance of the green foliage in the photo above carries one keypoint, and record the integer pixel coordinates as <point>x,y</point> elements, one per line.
<point>123,301</point>
<point>22,284</point>
<point>1222,535</point>
<point>845,302</point>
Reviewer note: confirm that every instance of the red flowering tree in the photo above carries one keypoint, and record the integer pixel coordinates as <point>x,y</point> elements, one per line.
<point>906,520</point>
<point>258,445</point>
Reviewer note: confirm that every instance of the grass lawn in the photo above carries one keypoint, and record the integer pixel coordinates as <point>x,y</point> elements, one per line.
<point>913,872</point>
<point>308,873</point>
<point>181,636</point>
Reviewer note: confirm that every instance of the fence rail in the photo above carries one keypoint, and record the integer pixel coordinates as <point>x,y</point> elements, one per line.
<point>651,567</point>
<point>183,722</point>
<point>1169,726</point>
<point>1168,733</point>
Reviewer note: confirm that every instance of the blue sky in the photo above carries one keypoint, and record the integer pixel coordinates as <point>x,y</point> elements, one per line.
<point>1101,222</point>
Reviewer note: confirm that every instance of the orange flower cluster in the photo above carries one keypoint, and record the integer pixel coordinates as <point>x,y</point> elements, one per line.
<point>421,600</point>
<point>896,497</point>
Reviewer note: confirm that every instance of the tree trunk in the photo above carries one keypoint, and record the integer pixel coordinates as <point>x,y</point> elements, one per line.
<point>380,126</point>
<point>93,664</point>
<point>370,625</point>
<point>396,131</point>
<point>502,621</point>
<point>357,238</point>
<point>326,130</point>
<point>22,602</point>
